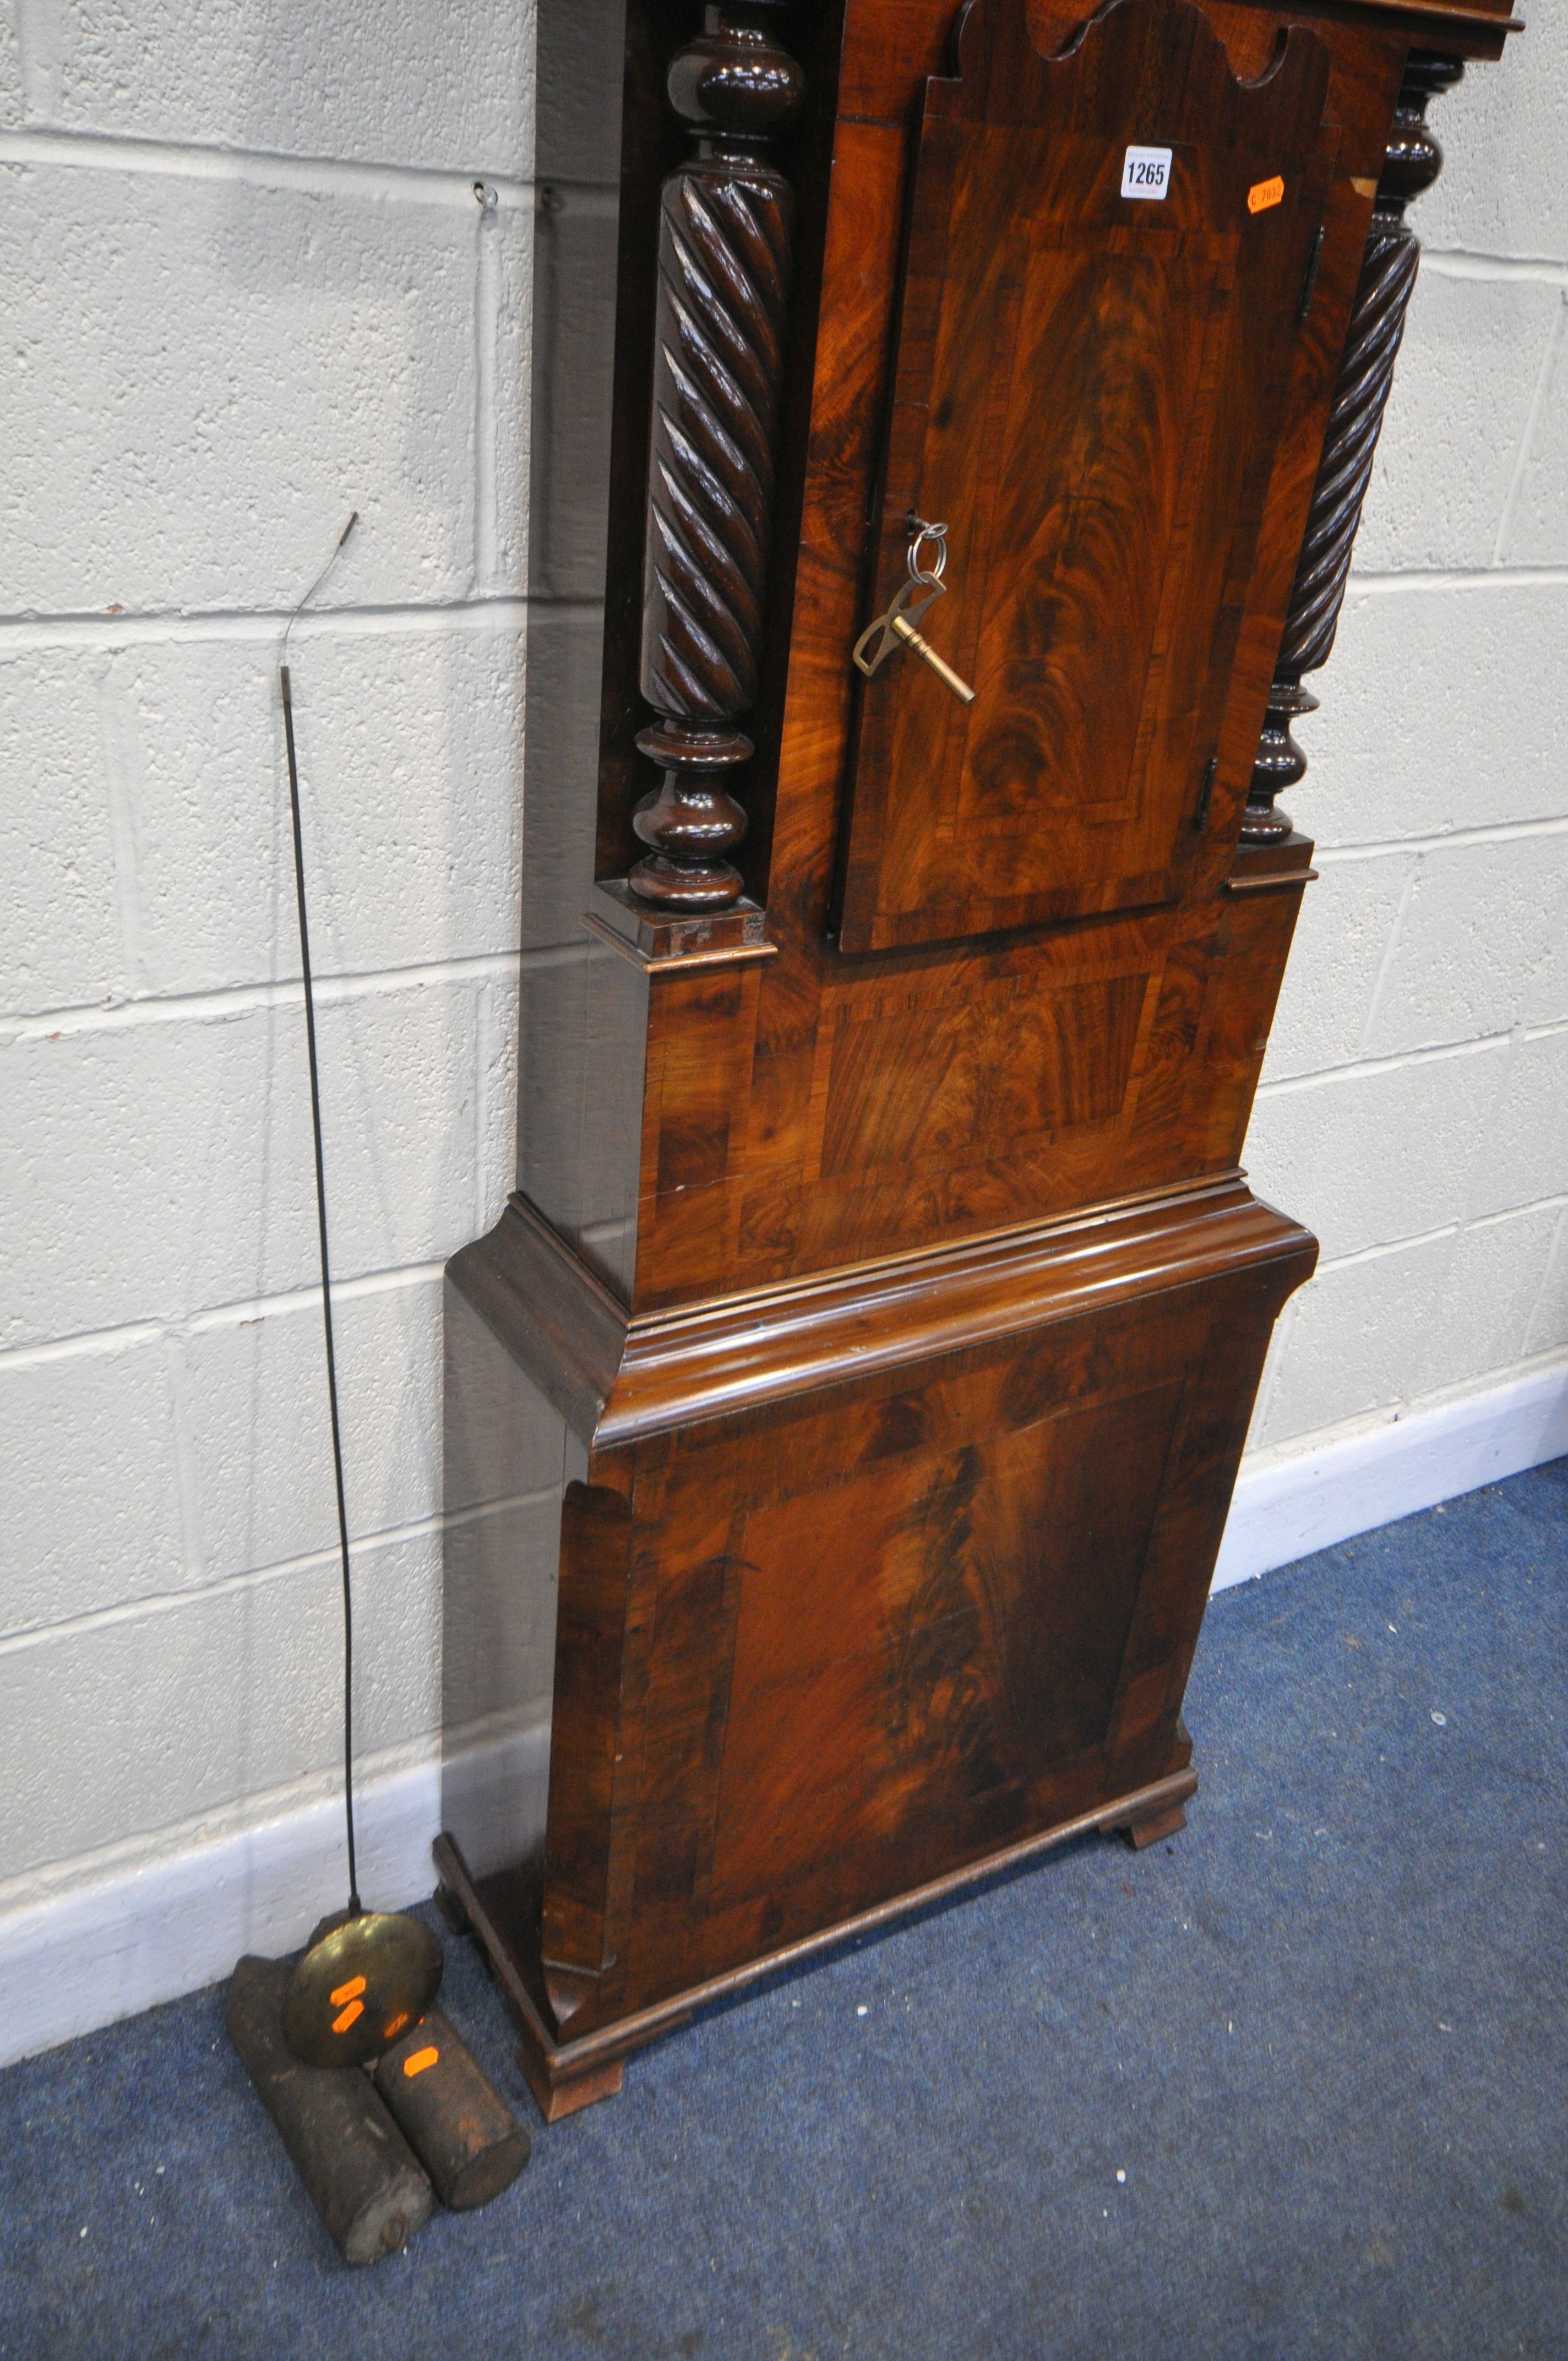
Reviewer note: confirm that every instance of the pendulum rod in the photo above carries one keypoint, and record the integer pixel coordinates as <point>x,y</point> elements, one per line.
<point>285,686</point>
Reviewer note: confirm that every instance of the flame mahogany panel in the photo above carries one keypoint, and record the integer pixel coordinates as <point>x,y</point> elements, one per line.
<point>1087,390</point>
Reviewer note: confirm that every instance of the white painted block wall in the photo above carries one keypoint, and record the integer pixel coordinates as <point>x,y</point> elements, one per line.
<point>250,287</point>
<point>1414,1106</point>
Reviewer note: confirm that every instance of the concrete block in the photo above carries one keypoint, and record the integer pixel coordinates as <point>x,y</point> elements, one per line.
<point>1347,920</point>
<point>260,1447</point>
<point>1547,1329</point>
<point>163,1168</point>
<point>1502,132</point>
<point>380,80</point>
<point>217,372</point>
<point>505,427</point>
<point>554,404</point>
<point>499,1435</point>
<point>90,1513</point>
<point>499,1593</point>
<point>13,103</point>
<point>495,1169</point>
<point>1455,424</point>
<point>566,648</point>
<point>1351,1347</point>
<point>1481,1312</point>
<point>1523,1155</point>
<point>1440,710</point>
<point>63,943</point>
<point>1482,946</point>
<point>189,1709</point>
<point>583,1031</point>
<point>1538,531</point>
<point>1278,1345</point>
<point>409,747</point>
<point>579,66</point>
<point>1368,1159</point>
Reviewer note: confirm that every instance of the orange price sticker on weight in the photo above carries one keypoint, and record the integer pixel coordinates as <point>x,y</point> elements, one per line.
<point>350,1991</point>
<point>351,2016</point>
<point>420,2060</point>
<point>1264,194</point>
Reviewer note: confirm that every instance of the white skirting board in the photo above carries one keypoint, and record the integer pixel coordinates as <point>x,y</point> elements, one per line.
<point>104,1951</point>
<point>99,1952</point>
<point>1286,1508</point>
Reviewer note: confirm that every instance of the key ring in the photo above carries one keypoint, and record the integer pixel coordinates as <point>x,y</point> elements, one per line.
<point>896,627</point>
<point>936,534</point>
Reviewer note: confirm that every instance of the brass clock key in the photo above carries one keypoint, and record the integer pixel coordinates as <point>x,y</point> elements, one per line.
<point>896,627</point>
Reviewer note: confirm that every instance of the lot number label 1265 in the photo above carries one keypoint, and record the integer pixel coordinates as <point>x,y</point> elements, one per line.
<point>1146,172</point>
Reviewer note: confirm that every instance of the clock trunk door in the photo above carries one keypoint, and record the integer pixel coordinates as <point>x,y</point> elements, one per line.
<point>1108,252</point>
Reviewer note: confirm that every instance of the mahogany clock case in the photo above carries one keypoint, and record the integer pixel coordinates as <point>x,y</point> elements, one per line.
<point>880,1239</point>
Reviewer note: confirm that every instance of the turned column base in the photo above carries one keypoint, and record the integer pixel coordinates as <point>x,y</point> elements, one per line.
<point>1280,763</point>
<point>691,821</point>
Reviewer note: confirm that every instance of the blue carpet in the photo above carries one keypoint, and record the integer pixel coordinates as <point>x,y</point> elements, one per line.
<point>1293,2084</point>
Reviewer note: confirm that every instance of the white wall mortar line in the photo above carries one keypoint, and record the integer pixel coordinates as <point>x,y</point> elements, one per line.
<point>1425,1054</point>
<point>1461,262</point>
<point>111,631</point>
<point>57,1880</point>
<point>324,1562</point>
<point>85,1343</point>
<point>1365,1069</point>
<point>1367,1423</point>
<point>1499,832</point>
<point>1491,578</point>
<point>187,1485</point>
<point>1383,1248</point>
<point>1514,1212</point>
<point>130,152</point>
<point>231,1001</point>
<point>122,768</point>
<point>1531,429</point>
<point>38,24</point>
<point>287,1301</point>
<point>486,363</point>
<point>1390,953</point>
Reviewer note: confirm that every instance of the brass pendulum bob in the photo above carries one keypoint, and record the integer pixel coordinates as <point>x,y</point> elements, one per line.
<point>362,1984</point>
<point>366,1975</point>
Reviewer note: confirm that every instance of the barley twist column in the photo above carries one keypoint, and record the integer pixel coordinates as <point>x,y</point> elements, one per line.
<point>724,266</point>
<point>1366,372</point>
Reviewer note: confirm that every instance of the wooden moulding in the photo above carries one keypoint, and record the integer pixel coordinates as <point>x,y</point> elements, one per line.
<point>660,938</point>
<point>617,1378</point>
<point>1266,868</point>
<point>566,2075</point>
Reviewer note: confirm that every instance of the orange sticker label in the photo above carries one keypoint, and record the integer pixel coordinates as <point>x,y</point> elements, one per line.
<point>350,1991</point>
<point>420,2060</point>
<point>397,2025</point>
<point>351,2016</point>
<point>1264,194</point>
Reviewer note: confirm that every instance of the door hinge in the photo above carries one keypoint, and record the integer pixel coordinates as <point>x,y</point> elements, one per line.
<point>1310,276</point>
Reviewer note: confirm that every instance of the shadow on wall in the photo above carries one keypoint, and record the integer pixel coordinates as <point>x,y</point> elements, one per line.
<point>504,1467</point>
<point>506,1453</point>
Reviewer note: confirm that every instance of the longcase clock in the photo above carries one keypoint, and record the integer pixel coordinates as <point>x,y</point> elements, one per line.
<point>996,389</point>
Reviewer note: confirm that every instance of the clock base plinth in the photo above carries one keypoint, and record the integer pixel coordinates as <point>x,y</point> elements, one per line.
<point>1166,1823</point>
<point>565,2074</point>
